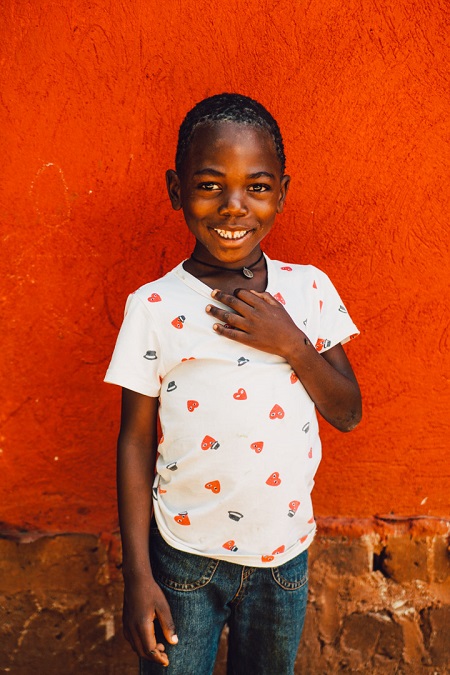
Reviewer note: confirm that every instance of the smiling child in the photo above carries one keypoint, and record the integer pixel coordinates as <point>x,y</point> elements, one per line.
<point>234,352</point>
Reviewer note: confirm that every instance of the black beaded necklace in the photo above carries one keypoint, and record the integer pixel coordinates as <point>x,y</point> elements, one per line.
<point>246,271</point>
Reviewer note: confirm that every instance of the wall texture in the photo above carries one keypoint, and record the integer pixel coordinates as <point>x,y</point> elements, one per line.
<point>91,96</point>
<point>379,604</point>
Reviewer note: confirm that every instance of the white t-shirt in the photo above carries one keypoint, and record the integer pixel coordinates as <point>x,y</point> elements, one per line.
<point>240,442</point>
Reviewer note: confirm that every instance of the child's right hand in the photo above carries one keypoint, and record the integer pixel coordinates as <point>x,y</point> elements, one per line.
<point>144,602</point>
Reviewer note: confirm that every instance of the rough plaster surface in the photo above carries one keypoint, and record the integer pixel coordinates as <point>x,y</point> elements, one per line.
<point>91,98</point>
<point>60,602</point>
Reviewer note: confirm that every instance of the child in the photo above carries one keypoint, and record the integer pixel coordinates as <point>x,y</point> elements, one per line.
<point>234,352</point>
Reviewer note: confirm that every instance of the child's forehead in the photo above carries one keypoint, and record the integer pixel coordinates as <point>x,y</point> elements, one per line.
<point>228,132</point>
<point>219,138</point>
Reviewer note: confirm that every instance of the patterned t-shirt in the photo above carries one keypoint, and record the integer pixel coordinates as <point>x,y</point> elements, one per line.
<point>240,442</point>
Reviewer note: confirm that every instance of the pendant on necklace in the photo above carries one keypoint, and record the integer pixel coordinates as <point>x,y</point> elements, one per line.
<point>247,273</point>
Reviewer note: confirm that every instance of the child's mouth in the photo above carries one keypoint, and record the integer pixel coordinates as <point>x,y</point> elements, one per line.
<point>227,234</point>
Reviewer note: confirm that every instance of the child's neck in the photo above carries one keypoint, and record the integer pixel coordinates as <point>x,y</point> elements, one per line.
<point>252,277</point>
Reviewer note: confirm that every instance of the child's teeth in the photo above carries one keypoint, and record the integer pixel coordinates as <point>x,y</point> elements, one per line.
<point>226,234</point>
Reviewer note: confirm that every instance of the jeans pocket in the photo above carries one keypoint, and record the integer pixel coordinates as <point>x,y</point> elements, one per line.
<point>176,569</point>
<point>294,574</point>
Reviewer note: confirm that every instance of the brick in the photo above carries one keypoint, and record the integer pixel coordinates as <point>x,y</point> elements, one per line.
<point>436,630</point>
<point>358,634</point>
<point>404,559</point>
<point>414,651</point>
<point>342,555</point>
<point>372,634</point>
<point>441,559</point>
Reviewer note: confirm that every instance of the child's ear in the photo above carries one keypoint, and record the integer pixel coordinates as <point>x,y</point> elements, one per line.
<point>284,187</point>
<point>174,189</point>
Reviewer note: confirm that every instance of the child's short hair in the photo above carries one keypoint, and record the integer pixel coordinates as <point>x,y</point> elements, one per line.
<point>227,108</point>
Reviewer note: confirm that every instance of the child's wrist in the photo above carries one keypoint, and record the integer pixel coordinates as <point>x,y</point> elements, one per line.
<point>295,345</point>
<point>298,351</point>
<point>135,571</point>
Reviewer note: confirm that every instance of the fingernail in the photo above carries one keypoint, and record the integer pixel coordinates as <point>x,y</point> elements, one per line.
<point>214,293</point>
<point>216,326</point>
<point>175,639</point>
<point>208,308</point>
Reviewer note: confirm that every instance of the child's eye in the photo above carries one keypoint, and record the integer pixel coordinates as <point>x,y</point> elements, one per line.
<point>209,186</point>
<point>259,187</point>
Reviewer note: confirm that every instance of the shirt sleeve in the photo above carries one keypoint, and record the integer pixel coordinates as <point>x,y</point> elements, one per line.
<point>336,326</point>
<point>136,362</point>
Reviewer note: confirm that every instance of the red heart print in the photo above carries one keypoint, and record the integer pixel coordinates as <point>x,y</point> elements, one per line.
<point>287,268</point>
<point>191,358</point>
<point>314,284</point>
<point>192,405</point>
<point>214,486</point>
<point>154,298</point>
<point>277,411</point>
<point>303,539</point>
<point>230,545</point>
<point>274,479</point>
<point>310,453</point>
<point>293,506</point>
<point>280,549</point>
<point>161,491</point>
<point>311,520</point>
<point>258,446</point>
<point>267,558</point>
<point>320,305</point>
<point>178,322</point>
<point>209,442</point>
<point>240,395</point>
<point>294,378</point>
<point>182,519</point>
<point>319,344</point>
<point>280,298</point>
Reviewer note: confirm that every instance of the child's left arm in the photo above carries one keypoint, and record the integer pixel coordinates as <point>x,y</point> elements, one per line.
<point>260,321</point>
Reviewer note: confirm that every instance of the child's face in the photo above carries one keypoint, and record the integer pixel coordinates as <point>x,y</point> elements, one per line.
<point>230,190</point>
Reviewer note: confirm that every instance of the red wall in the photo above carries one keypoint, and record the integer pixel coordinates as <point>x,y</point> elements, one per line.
<point>91,97</point>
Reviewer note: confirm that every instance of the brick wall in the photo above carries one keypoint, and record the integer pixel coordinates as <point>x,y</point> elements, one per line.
<point>379,602</point>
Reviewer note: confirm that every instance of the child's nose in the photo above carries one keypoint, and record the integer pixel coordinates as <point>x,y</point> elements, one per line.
<point>233,204</point>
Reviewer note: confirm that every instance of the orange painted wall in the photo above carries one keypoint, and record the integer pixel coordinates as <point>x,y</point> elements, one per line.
<point>91,97</point>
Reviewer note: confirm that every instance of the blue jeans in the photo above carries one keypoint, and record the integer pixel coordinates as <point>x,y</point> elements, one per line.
<point>263,607</point>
